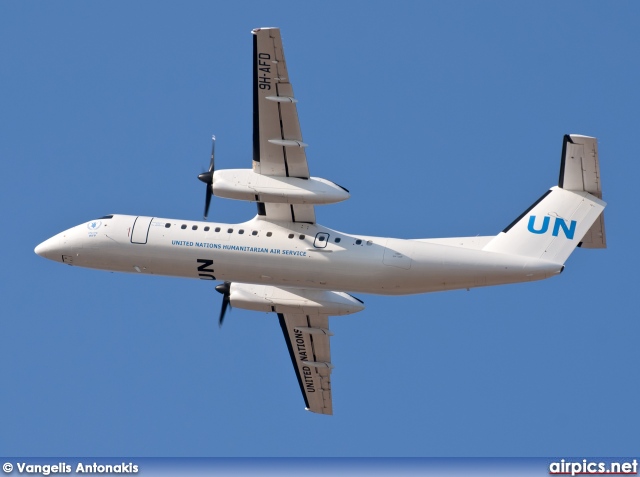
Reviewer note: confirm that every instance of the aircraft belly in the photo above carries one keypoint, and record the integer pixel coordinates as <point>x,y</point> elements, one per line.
<point>441,267</point>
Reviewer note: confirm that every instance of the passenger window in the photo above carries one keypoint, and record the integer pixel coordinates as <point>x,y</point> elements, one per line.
<point>217,229</point>
<point>269,234</point>
<point>337,240</point>
<point>206,229</point>
<point>358,242</point>
<point>241,231</point>
<point>183,226</point>
<point>322,238</point>
<point>167,225</point>
<point>301,237</point>
<point>290,235</point>
<point>195,227</point>
<point>229,231</point>
<point>255,232</point>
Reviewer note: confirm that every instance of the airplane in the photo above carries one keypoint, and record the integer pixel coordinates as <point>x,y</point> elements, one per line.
<point>283,262</point>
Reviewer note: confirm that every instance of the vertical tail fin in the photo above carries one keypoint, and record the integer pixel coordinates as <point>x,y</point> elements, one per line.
<point>565,215</point>
<point>580,171</point>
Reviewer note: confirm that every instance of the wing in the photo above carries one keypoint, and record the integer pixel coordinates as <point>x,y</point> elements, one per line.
<point>307,338</point>
<point>278,149</point>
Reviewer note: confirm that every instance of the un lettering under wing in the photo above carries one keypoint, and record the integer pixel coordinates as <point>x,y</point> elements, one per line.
<point>308,344</point>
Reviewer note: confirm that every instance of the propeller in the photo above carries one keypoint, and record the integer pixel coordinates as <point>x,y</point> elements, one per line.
<point>225,290</point>
<point>207,178</point>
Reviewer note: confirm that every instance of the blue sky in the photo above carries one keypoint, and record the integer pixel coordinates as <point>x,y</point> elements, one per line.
<point>441,118</point>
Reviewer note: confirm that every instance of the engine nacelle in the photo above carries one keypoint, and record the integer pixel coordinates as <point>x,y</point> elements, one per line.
<point>293,300</point>
<point>244,184</point>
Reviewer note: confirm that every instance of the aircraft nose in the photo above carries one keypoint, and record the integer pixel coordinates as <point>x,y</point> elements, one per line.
<point>49,248</point>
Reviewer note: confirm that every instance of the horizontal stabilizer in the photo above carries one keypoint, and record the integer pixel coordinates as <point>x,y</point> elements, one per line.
<point>595,236</point>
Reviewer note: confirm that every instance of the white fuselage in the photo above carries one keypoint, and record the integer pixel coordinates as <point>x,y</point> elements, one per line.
<point>289,255</point>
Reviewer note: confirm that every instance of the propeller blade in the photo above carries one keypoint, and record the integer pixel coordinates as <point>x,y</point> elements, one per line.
<point>207,202</point>
<point>225,289</point>
<point>213,150</point>
<point>207,178</point>
<point>225,304</point>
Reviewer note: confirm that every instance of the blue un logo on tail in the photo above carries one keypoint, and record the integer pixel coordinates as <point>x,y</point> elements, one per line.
<point>558,223</point>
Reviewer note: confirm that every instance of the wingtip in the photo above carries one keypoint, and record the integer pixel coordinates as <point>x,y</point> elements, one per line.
<point>256,30</point>
<point>580,136</point>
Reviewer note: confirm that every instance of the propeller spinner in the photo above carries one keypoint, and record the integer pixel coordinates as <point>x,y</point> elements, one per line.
<point>207,178</point>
